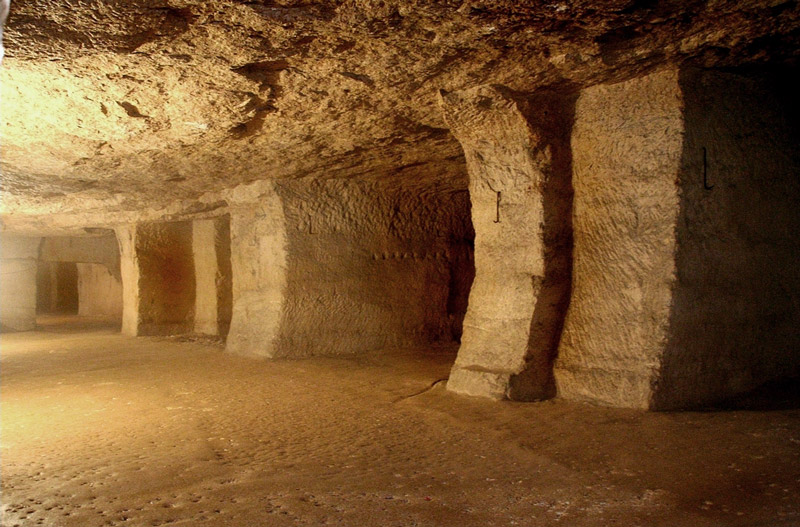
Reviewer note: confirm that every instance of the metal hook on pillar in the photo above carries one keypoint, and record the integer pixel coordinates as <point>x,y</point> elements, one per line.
<point>497,220</point>
<point>705,171</point>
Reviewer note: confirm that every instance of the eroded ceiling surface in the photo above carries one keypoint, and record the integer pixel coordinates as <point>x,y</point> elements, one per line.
<point>118,106</point>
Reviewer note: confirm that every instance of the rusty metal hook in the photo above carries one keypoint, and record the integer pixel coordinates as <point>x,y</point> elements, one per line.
<point>705,170</point>
<point>498,208</point>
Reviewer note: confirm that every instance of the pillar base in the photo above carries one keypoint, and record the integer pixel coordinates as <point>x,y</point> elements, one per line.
<point>479,383</point>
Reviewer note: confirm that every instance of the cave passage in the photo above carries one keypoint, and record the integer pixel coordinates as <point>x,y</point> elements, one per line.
<point>57,288</point>
<point>301,263</point>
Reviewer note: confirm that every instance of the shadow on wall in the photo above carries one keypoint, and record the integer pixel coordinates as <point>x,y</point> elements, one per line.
<point>166,278</point>
<point>736,306</point>
<point>554,116</point>
<point>461,263</point>
<point>224,275</point>
<point>57,288</point>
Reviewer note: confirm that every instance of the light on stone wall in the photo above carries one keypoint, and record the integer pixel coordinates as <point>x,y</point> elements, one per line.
<point>4,5</point>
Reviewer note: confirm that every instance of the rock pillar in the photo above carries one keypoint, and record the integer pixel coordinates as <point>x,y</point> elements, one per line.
<point>129,271</point>
<point>519,170</point>
<point>18,267</point>
<point>212,265</point>
<point>626,147</point>
<point>258,263</point>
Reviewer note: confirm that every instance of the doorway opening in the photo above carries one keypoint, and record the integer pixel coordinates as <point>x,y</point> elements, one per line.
<point>57,288</point>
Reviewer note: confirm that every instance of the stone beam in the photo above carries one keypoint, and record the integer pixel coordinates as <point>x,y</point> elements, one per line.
<point>82,249</point>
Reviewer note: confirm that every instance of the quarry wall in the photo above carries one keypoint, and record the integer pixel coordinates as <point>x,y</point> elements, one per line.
<point>166,277</point>
<point>685,290</point>
<point>337,267</point>
<point>158,278</point>
<point>99,292</point>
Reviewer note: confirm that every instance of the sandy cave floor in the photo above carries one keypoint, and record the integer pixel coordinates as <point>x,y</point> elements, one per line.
<point>100,429</point>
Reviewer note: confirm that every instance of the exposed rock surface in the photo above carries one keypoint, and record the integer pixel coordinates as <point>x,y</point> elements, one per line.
<point>734,314</point>
<point>685,288</point>
<point>99,292</point>
<point>627,146</point>
<point>519,166</point>
<point>158,278</point>
<point>85,249</point>
<point>80,270</point>
<point>310,173</point>
<point>336,267</point>
<point>140,107</point>
<point>211,246</point>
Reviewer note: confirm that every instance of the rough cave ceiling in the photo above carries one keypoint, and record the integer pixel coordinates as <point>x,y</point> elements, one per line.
<point>118,105</point>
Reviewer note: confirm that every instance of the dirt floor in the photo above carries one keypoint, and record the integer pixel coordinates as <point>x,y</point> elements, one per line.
<point>100,429</point>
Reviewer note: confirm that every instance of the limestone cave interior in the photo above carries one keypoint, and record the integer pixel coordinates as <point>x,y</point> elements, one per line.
<point>400,262</point>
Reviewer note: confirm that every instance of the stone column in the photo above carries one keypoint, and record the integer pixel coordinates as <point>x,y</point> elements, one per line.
<point>18,267</point>
<point>211,249</point>
<point>129,270</point>
<point>258,264</point>
<point>627,146</point>
<point>519,169</point>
